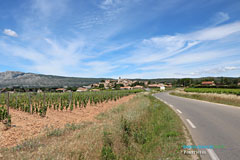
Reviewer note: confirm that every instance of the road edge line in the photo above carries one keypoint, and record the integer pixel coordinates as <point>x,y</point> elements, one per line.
<point>191,124</point>
<point>212,154</point>
<point>179,111</point>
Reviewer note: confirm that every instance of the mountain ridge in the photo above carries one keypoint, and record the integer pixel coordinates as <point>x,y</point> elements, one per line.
<point>21,79</point>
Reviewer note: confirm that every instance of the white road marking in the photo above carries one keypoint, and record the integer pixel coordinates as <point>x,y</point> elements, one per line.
<point>178,110</point>
<point>212,154</point>
<point>191,124</point>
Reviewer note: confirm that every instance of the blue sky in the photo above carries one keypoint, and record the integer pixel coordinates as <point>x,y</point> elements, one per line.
<point>127,38</point>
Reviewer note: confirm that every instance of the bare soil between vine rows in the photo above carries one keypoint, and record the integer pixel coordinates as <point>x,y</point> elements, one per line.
<point>26,125</point>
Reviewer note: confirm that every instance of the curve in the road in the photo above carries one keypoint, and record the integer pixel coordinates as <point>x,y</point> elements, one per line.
<point>209,124</point>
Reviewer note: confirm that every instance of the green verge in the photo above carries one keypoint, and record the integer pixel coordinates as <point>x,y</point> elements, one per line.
<point>210,98</point>
<point>143,128</point>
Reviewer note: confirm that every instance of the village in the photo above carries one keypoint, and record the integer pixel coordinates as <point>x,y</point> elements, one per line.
<point>119,84</point>
<point>108,84</point>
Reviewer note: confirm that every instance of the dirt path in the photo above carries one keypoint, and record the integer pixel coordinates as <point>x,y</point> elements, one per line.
<point>27,125</point>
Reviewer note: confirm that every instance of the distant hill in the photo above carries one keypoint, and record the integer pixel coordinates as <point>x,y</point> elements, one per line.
<point>31,80</point>
<point>20,79</point>
<point>159,80</point>
<point>175,80</point>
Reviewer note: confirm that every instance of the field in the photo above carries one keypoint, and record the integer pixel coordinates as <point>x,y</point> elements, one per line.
<point>29,114</point>
<point>139,128</point>
<point>39,103</point>
<point>213,90</point>
<point>211,95</point>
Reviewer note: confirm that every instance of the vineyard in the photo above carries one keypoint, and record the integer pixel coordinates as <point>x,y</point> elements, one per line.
<point>214,90</point>
<point>39,103</point>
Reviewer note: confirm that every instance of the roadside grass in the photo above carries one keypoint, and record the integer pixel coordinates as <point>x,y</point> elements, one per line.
<point>210,98</point>
<point>143,128</point>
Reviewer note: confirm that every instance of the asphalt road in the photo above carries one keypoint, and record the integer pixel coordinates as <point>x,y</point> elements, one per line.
<point>209,124</point>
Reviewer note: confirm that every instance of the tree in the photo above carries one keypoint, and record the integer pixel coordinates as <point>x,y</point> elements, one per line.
<point>101,86</point>
<point>72,89</point>
<point>221,80</point>
<point>137,83</point>
<point>117,86</point>
<point>235,82</point>
<point>226,81</point>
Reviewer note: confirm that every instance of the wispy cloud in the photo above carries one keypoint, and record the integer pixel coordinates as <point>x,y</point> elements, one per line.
<point>10,32</point>
<point>106,4</point>
<point>159,48</point>
<point>52,58</point>
<point>200,56</point>
<point>220,17</point>
<point>46,8</point>
<point>211,71</point>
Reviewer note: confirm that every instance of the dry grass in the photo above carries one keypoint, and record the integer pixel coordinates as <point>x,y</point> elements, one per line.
<point>233,100</point>
<point>143,128</point>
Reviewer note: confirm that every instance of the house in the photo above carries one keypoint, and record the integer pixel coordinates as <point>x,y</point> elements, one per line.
<point>81,89</point>
<point>208,83</point>
<point>168,85</point>
<point>124,82</point>
<point>162,88</point>
<point>145,83</point>
<point>119,79</point>
<point>138,87</point>
<point>3,90</point>
<point>107,81</point>
<point>88,87</point>
<point>95,90</point>
<point>155,85</point>
<point>95,85</point>
<point>39,91</point>
<point>61,90</point>
<point>126,88</point>
<point>238,83</point>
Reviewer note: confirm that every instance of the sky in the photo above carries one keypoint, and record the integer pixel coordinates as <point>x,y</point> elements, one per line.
<point>126,38</point>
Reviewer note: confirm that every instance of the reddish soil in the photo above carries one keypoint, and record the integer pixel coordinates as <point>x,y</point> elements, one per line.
<point>26,126</point>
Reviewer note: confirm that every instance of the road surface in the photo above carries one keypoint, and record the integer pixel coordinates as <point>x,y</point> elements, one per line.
<point>209,124</point>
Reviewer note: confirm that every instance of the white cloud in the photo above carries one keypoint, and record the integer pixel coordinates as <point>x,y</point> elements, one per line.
<point>230,68</point>
<point>99,68</point>
<point>203,56</point>
<point>162,47</point>
<point>10,32</point>
<point>174,72</point>
<point>220,17</point>
<point>46,8</point>
<point>210,71</point>
<point>51,58</point>
<point>215,33</point>
<point>107,4</point>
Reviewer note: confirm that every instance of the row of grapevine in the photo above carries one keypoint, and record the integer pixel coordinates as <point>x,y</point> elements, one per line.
<point>3,113</point>
<point>39,103</point>
<point>5,117</point>
<point>214,90</point>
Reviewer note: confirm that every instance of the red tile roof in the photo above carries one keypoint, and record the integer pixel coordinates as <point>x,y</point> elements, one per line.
<point>208,83</point>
